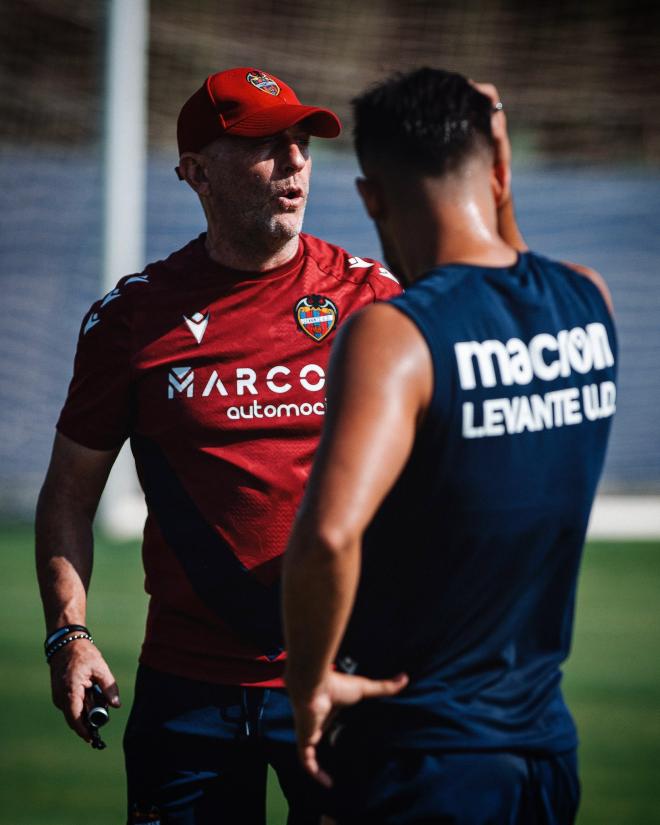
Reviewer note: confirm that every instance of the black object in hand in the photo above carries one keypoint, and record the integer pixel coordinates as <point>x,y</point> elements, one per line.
<point>96,714</point>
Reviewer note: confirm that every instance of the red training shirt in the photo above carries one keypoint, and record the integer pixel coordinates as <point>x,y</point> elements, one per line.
<point>217,377</point>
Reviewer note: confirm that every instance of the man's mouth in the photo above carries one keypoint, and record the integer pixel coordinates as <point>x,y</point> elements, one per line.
<point>291,198</point>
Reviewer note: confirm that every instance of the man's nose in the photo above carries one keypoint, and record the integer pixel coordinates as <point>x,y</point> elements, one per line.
<point>295,157</point>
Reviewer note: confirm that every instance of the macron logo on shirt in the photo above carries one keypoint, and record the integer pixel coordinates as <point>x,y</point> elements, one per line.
<point>197,324</point>
<point>360,263</point>
<point>546,357</point>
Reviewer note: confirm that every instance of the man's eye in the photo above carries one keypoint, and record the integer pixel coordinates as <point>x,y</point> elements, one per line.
<point>302,142</point>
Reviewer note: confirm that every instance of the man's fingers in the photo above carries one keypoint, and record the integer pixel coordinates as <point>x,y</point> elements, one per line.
<point>498,119</point>
<point>72,673</point>
<point>106,681</point>
<point>73,707</point>
<point>311,765</point>
<point>313,713</point>
<point>309,731</point>
<point>384,687</point>
<point>487,89</point>
<point>500,136</point>
<point>330,719</point>
<point>347,689</point>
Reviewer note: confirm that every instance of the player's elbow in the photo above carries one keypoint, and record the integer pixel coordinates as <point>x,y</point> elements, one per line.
<point>325,542</point>
<point>335,541</point>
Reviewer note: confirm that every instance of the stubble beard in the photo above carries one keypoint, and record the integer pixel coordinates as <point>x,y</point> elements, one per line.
<point>253,225</point>
<point>270,232</point>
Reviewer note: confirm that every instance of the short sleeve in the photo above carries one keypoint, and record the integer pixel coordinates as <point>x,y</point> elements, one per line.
<point>385,285</point>
<point>97,410</point>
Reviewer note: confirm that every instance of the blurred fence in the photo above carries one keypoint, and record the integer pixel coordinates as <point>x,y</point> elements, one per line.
<point>50,254</point>
<point>582,87</point>
<point>581,78</point>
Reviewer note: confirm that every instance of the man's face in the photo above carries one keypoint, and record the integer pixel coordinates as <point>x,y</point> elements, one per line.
<point>259,186</point>
<point>375,198</point>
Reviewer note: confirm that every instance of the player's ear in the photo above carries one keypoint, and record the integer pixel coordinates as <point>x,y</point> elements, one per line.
<point>500,181</point>
<point>372,197</point>
<point>191,169</point>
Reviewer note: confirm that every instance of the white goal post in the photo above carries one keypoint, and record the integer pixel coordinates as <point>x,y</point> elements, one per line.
<point>122,511</point>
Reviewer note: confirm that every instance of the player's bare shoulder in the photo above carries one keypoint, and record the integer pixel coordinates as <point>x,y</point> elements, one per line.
<point>384,343</point>
<point>596,279</point>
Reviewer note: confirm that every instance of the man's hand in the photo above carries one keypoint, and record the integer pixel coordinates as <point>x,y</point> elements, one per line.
<point>73,670</point>
<point>500,136</point>
<point>507,225</point>
<point>314,712</point>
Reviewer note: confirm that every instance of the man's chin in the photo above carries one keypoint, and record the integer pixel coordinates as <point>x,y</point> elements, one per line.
<point>287,226</point>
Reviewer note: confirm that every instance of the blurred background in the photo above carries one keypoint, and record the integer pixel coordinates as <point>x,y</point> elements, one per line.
<point>89,94</point>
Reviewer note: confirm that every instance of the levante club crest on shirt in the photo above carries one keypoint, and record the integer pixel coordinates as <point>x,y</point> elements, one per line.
<point>316,316</point>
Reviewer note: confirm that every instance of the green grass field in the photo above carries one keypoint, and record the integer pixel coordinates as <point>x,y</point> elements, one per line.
<point>612,684</point>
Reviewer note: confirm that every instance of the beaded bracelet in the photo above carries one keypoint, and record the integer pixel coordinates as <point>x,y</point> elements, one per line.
<point>52,650</point>
<point>61,632</point>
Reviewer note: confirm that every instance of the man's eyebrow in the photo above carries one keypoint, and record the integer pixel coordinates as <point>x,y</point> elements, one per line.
<point>297,131</point>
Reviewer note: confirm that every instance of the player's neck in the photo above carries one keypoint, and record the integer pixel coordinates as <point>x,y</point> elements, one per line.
<point>454,228</point>
<point>250,255</point>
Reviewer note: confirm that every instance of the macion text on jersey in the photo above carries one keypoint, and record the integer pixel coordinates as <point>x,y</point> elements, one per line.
<point>547,357</point>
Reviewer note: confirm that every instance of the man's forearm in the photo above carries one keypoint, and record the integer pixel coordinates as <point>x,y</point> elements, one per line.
<point>64,553</point>
<point>320,582</point>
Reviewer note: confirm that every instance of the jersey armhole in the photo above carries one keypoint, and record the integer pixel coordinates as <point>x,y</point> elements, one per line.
<point>396,302</point>
<point>597,280</point>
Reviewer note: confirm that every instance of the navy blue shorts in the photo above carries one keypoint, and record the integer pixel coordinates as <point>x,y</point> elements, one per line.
<point>406,787</point>
<point>198,754</point>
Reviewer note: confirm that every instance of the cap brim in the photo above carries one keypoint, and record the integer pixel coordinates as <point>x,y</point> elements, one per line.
<point>272,119</point>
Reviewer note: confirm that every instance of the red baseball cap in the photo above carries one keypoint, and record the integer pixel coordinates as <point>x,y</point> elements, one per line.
<point>246,102</point>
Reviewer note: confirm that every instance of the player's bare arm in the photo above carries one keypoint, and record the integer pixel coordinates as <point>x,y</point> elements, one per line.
<point>380,385</point>
<point>507,224</point>
<point>64,552</point>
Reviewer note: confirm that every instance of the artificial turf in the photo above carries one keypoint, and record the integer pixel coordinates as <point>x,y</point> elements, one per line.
<point>612,684</point>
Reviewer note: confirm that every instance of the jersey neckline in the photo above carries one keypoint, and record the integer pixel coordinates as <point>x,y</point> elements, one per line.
<point>208,269</point>
<point>513,269</point>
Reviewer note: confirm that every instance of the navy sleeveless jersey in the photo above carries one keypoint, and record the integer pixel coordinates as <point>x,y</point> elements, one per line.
<point>470,565</point>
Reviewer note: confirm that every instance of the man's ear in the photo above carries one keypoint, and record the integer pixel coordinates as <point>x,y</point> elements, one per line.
<point>372,197</point>
<point>500,182</point>
<point>191,169</point>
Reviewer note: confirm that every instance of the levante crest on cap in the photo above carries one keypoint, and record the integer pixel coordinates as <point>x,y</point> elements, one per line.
<point>316,315</point>
<point>264,83</point>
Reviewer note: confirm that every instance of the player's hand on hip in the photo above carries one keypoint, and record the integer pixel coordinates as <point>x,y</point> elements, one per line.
<point>500,134</point>
<point>72,671</point>
<point>314,714</point>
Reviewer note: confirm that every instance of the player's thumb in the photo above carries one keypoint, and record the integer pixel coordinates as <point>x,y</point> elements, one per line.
<point>384,687</point>
<point>108,684</point>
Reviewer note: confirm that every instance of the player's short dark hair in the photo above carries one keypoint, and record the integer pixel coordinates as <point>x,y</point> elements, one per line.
<point>427,120</point>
